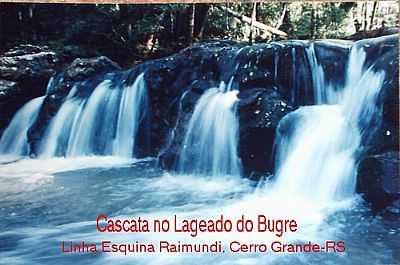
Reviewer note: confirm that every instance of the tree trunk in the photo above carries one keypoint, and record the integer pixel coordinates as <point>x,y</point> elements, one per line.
<point>373,15</point>
<point>32,22</point>
<point>253,18</point>
<point>282,17</point>
<point>200,20</point>
<point>312,21</point>
<point>365,15</point>
<point>180,23</point>
<point>192,11</point>
<point>286,23</point>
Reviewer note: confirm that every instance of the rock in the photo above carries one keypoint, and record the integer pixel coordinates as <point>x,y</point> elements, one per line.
<point>82,69</point>
<point>255,66</point>
<point>382,54</point>
<point>8,89</point>
<point>168,157</point>
<point>24,73</point>
<point>333,56</point>
<point>27,61</point>
<point>260,112</point>
<point>377,47</point>
<point>378,173</point>
<point>378,179</point>
<point>181,77</point>
<point>292,72</point>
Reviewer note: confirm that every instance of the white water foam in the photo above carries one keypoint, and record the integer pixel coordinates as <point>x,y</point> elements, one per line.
<point>14,139</point>
<point>106,123</point>
<point>210,144</point>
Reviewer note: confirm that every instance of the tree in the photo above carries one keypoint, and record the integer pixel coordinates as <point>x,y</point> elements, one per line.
<point>192,12</point>
<point>253,19</point>
<point>371,23</point>
<point>200,20</point>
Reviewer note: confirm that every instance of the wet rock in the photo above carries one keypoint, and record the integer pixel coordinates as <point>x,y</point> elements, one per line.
<point>8,89</point>
<point>255,67</point>
<point>378,179</point>
<point>292,72</point>
<point>384,135</point>
<point>24,73</point>
<point>194,69</point>
<point>333,56</point>
<point>377,47</point>
<point>82,69</point>
<point>169,156</point>
<point>260,111</point>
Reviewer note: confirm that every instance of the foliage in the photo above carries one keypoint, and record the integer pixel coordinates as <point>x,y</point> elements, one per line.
<point>130,33</point>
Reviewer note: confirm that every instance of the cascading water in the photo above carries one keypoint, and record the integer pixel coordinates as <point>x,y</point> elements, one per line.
<point>61,123</point>
<point>106,123</point>
<point>82,138</point>
<point>316,146</point>
<point>14,139</point>
<point>318,76</point>
<point>132,102</point>
<point>210,144</point>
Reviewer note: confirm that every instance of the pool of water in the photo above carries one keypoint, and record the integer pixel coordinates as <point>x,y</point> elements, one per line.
<point>45,202</point>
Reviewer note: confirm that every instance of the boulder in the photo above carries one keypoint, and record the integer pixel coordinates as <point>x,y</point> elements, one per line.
<point>184,75</point>
<point>24,73</point>
<point>260,111</point>
<point>378,173</point>
<point>384,137</point>
<point>82,69</point>
<point>333,56</point>
<point>169,156</point>
<point>378,179</point>
<point>377,47</point>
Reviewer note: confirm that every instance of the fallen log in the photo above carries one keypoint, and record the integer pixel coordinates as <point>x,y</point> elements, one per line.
<point>255,23</point>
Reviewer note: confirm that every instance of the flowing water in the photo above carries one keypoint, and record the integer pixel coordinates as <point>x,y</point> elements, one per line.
<point>14,140</point>
<point>210,144</point>
<point>49,200</point>
<point>84,126</point>
<point>322,140</point>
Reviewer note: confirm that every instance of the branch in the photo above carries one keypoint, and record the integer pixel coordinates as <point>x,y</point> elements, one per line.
<point>282,18</point>
<point>255,23</point>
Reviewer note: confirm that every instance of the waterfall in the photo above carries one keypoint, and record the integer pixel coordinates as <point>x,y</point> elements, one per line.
<point>318,76</point>
<point>317,145</point>
<point>14,139</point>
<point>324,92</point>
<point>210,143</point>
<point>83,140</point>
<point>60,123</point>
<point>106,123</point>
<point>132,102</point>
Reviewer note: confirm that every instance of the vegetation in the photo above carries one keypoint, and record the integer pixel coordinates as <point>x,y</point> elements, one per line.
<point>131,33</point>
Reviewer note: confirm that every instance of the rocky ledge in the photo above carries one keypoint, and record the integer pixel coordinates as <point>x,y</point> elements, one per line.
<point>24,73</point>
